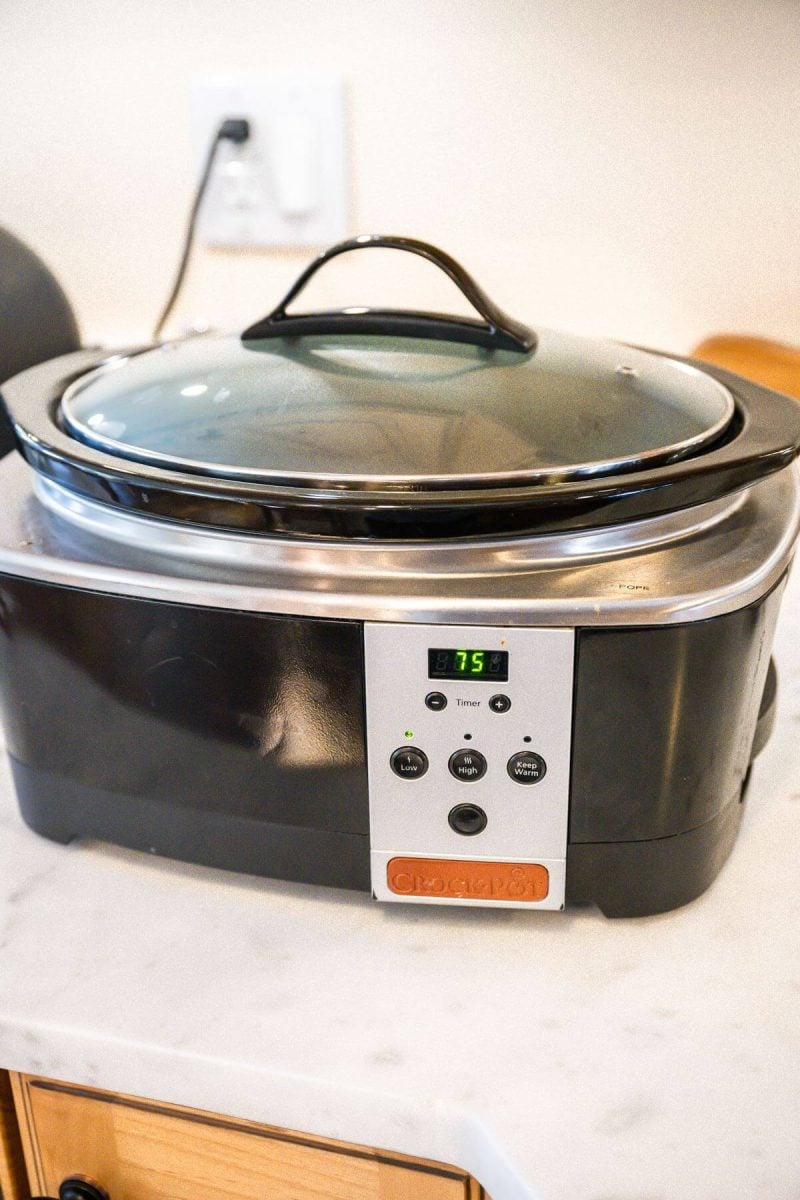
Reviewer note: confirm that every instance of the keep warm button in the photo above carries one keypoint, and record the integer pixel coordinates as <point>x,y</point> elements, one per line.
<point>526,767</point>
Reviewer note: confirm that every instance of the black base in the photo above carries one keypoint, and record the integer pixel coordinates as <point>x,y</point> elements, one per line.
<point>643,878</point>
<point>640,879</point>
<point>62,810</point>
<point>624,879</point>
<point>237,740</point>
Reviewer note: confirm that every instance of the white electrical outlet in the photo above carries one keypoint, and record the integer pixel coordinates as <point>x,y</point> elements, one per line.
<point>287,185</point>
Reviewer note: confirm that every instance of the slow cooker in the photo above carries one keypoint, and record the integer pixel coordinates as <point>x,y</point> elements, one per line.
<point>437,607</point>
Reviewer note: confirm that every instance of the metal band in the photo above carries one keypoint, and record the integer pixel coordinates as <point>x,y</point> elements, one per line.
<point>723,558</point>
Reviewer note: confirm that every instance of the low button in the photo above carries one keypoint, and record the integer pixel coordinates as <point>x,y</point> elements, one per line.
<point>500,704</point>
<point>526,767</point>
<point>467,765</point>
<point>408,762</point>
<point>436,701</point>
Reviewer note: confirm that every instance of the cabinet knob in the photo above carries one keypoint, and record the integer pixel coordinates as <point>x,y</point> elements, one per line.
<point>78,1187</point>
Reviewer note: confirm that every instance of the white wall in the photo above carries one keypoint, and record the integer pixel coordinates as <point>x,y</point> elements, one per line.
<point>629,167</point>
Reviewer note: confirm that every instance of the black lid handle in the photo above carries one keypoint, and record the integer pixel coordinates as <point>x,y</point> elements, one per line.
<point>497,331</point>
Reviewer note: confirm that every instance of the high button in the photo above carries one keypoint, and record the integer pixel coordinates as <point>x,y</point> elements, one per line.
<point>467,765</point>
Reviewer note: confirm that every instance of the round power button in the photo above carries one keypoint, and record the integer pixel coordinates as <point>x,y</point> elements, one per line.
<point>467,819</point>
<point>408,762</point>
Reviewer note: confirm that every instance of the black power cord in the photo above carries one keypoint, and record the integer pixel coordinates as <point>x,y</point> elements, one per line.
<point>232,129</point>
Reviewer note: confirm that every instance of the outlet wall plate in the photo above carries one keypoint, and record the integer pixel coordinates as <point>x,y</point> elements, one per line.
<point>288,184</point>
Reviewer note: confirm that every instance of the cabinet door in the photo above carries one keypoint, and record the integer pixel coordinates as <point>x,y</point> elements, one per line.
<point>13,1183</point>
<point>140,1150</point>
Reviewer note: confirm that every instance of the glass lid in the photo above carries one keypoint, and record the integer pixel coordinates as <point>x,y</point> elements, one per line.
<point>369,399</point>
<point>359,411</point>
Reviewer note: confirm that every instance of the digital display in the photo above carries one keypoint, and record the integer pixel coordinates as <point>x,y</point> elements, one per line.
<point>468,664</point>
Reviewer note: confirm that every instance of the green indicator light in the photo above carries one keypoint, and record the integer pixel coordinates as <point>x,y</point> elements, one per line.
<point>409,733</point>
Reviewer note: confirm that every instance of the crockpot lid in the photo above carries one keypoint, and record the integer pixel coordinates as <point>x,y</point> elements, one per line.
<point>364,412</point>
<point>362,399</point>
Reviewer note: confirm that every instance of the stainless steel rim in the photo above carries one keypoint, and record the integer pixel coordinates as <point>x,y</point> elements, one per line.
<point>727,565</point>
<point>249,552</point>
<point>660,456</point>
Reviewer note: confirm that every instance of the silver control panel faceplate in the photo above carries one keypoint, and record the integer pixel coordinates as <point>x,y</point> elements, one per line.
<point>526,823</point>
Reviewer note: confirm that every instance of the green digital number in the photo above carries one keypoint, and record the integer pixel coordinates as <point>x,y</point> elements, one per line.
<point>461,660</point>
<point>477,662</point>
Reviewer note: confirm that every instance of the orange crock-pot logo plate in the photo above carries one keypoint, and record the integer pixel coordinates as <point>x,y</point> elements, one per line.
<point>459,879</point>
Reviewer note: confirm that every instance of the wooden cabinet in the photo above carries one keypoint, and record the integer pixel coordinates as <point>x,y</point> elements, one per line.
<point>143,1150</point>
<point>13,1177</point>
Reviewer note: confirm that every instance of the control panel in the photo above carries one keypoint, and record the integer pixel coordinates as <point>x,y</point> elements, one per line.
<point>468,748</point>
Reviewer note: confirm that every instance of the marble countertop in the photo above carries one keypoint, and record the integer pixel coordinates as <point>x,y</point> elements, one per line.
<point>555,1056</point>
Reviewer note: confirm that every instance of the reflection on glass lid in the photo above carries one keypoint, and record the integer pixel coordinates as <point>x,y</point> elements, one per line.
<point>356,412</point>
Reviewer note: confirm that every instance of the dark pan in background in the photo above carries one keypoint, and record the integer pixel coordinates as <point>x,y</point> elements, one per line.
<point>36,318</point>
